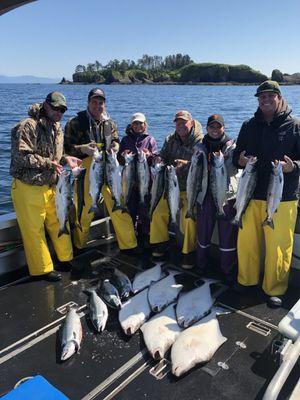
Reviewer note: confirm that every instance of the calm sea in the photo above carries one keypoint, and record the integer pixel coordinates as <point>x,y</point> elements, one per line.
<point>159,103</point>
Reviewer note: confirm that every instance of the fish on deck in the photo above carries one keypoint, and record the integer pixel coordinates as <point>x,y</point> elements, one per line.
<point>196,345</point>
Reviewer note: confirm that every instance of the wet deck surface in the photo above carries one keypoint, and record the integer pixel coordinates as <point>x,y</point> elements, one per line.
<point>29,309</point>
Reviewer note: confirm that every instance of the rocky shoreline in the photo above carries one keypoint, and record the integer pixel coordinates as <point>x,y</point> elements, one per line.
<point>192,74</point>
<point>66,82</point>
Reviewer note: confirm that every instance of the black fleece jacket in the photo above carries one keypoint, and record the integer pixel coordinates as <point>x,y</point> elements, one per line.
<point>270,142</point>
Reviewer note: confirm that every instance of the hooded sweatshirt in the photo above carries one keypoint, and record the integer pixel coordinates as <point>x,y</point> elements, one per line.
<point>270,142</point>
<point>135,142</point>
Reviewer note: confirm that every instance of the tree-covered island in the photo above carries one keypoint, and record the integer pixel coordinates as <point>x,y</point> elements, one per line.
<point>173,69</point>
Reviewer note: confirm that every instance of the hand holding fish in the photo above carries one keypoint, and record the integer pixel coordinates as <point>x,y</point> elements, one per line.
<point>127,151</point>
<point>73,162</point>
<point>157,160</point>
<point>147,152</point>
<point>180,163</point>
<point>88,148</point>
<point>57,167</point>
<point>287,165</point>
<point>114,147</point>
<point>243,159</point>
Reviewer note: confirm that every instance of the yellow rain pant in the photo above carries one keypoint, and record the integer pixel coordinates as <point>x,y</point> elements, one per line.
<point>35,210</point>
<point>160,220</point>
<point>278,243</point>
<point>122,222</point>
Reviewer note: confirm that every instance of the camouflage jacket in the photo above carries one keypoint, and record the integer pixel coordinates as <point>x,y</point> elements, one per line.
<point>83,129</point>
<point>34,144</point>
<point>174,148</point>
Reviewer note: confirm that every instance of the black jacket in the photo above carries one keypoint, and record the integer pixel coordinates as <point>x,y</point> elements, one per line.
<point>270,142</point>
<point>213,145</point>
<point>79,130</point>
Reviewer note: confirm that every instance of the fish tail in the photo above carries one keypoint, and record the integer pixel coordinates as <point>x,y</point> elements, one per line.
<point>190,214</point>
<point>118,207</point>
<point>268,222</point>
<point>64,230</point>
<point>220,215</point>
<point>237,222</point>
<point>93,208</point>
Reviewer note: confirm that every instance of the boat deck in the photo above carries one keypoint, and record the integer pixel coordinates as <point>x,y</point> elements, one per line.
<point>111,365</point>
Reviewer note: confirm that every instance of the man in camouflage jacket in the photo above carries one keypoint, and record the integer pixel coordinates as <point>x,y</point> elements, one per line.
<point>36,152</point>
<point>177,150</point>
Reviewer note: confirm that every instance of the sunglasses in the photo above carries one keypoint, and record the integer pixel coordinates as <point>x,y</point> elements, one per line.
<point>62,110</point>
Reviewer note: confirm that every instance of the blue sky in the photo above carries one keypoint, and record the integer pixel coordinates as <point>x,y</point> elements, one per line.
<point>50,37</point>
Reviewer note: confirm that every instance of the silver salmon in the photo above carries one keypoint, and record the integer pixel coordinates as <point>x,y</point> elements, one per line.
<point>219,182</point>
<point>98,311</point>
<point>71,335</point>
<point>172,192</point>
<point>79,174</point>
<point>122,283</point>
<point>114,179</point>
<point>110,294</point>
<point>64,199</point>
<point>158,186</point>
<point>194,182</point>
<point>246,187</point>
<point>274,196</point>
<point>143,174</point>
<point>128,178</point>
<point>96,178</point>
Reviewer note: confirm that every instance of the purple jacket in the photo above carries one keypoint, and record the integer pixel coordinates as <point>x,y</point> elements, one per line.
<point>137,142</point>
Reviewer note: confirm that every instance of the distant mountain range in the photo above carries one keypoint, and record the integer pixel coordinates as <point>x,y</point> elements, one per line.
<point>27,79</point>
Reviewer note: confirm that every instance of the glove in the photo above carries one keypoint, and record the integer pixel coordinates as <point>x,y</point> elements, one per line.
<point>88,148</point>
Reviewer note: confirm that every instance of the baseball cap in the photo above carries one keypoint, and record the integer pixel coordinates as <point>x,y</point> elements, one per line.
<point>138,117</point>
<point>183,114</point>
<point>268,86</point>
<point>56,99</point>
<point>97,92</point>
<point>215,118</point>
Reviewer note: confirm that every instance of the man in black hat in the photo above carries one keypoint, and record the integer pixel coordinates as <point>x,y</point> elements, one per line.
<point>93,129</point>
<point>272,135</point>
<point>36,152</point>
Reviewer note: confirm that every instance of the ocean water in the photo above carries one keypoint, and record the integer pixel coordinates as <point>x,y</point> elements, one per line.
<point>159,104</point>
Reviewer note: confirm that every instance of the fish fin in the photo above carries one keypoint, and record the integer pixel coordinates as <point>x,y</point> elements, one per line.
<point>218,310</point>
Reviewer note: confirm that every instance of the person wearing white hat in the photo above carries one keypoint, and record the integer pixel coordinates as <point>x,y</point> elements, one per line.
<point>137,139</point>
